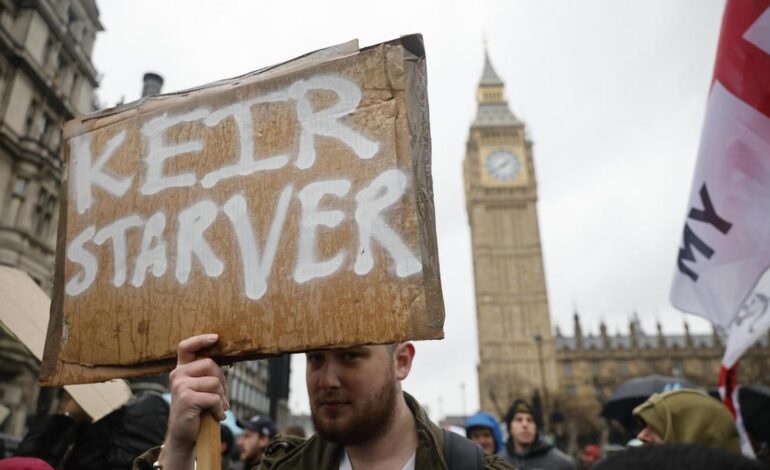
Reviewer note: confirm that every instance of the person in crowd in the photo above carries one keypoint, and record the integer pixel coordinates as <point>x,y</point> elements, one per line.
<point>591,454</point>
<point>482,428</point>
<point>68,439</point>
<point>253,441</point>
<point>362,417</point>
<point>677,457</point>
<point>526,447</point>
<point>687,416</point>
<point>227,446</point>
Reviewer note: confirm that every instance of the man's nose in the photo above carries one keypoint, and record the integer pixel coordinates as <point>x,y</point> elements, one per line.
<point>328,376</point>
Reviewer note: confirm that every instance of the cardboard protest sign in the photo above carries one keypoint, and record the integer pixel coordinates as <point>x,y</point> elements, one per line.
<point>24,312</point>
<point>288,209</point>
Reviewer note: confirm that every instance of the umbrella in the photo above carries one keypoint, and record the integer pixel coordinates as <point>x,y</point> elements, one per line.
<point>634,392</point>
<point>754,401</point>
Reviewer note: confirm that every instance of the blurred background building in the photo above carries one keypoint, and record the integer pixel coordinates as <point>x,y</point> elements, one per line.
<point>592,366</point>
<point>46,78</point>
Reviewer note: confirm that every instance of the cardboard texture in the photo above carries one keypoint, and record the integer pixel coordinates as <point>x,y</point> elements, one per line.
<point>24,312</point>
<point>287,210</point>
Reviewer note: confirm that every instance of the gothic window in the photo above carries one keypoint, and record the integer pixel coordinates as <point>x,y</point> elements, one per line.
<point>708,369</point>
<point>72,19</point>
<point>678,368</point>
<point>622,368</point>
<point>3,80</point>
<point>568,372</point>
<point>570,390</point>
<point>19,186</point>
<point>29,122</point>
<point>48,124</point>
<point>74,86</point>
<point>47,53</point>
<point>44,211</point>
<point>596,369</point>
<point>61,69</point>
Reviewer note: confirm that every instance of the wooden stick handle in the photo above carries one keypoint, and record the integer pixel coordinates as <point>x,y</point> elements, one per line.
<point>208,446</point>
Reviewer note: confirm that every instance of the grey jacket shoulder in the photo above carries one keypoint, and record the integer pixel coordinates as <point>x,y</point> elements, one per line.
<point>552,459</point>
<point>559,460</point>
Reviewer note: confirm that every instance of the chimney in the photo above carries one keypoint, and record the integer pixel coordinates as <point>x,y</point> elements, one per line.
<point>152,83</point>
<point>688,337</point>
<point>603,332</point>
<point>661,337</point>
<point>578,331</point>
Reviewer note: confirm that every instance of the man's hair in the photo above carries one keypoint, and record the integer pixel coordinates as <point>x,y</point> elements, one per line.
<point>677,457</point>
<point>520,406</point>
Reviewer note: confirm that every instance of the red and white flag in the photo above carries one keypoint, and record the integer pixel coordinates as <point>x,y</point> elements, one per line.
<point>723,267</point>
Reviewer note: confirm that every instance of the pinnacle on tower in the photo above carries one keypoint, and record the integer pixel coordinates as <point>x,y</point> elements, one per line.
<point>489,76</point>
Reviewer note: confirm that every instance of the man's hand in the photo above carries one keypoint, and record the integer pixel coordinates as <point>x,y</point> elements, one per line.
<point>197,386</point>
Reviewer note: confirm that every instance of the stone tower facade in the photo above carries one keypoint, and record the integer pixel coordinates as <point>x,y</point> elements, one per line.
<point>516,347</point>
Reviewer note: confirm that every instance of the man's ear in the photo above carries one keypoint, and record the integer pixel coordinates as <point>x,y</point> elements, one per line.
<point>402,357</point>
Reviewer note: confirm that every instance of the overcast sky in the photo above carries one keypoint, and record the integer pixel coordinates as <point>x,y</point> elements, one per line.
<point>613,95</point>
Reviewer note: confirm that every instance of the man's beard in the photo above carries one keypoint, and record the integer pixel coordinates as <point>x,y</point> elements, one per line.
<point>364,425</point>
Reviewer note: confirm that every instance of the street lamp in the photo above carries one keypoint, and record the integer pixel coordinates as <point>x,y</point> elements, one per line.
<point>546,405</point>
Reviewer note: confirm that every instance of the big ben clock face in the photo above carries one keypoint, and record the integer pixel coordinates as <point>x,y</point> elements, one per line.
<point>502,165</point>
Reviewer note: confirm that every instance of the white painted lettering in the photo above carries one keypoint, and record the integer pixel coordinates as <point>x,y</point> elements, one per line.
<point>152,255</point>
<point>382,192</point>
<point>78,254</point>
<point>326,122</point>
<point>193,221</point>
<point>117,232</point>
<point>255,271</point>
<point>87,175</point>
<point>158,152</point>
<point>241,113</point>
<point>307,267</point>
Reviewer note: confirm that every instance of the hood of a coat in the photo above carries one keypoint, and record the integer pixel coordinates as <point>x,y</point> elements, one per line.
<point>690,417</point>
<point>483,419</point>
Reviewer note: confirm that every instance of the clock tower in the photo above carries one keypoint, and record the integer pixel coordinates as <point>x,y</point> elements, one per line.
<point>516,348</point>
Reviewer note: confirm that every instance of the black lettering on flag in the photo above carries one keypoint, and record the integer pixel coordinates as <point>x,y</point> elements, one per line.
<point>708,214</point>
<point>686,254</point>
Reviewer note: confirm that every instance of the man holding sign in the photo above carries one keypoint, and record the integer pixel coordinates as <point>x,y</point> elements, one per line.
<point>286,210</point>
<point>362,418</point>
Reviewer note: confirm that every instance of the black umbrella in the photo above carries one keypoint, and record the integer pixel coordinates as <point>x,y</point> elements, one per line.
<point>634,392</point>
<point>754,401</point>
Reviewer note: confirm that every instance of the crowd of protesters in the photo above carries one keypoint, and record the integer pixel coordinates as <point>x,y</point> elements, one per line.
<point>363,420</point>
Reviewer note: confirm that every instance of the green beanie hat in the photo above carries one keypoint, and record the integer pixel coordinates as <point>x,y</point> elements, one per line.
<point>690,417</point>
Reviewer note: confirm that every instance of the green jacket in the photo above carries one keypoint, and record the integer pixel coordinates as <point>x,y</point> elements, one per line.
<point>292,453</point>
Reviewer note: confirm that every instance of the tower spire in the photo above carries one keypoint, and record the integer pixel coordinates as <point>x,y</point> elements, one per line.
<point>493,108</point>
<point>489,76</point>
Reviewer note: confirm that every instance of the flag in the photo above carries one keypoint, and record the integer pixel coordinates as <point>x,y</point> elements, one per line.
<point>723,265</point>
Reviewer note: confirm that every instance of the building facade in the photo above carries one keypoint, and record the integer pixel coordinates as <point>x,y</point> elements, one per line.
<point>591,367</point>
<point>46,78</point>
<point>516,346</point>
